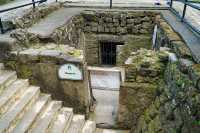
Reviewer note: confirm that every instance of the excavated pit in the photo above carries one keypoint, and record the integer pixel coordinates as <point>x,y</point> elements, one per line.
<point>151,87</point>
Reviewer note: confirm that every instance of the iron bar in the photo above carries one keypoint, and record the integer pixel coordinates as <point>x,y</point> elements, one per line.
<point>33,1</point>
<point>184,10</point>
<point>1,26</point>
<point>171,3</point>
<point>110,4</point>
<point>24,5</point>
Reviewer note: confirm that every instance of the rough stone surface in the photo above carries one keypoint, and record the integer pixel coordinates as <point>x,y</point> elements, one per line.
<point>41,64</point>
<point>143,79</point>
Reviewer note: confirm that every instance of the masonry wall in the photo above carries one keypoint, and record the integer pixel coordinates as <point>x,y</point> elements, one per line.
<point>133,29</point>
<point>176,108</point>
<point>143,78</point>
<point>41,68</point>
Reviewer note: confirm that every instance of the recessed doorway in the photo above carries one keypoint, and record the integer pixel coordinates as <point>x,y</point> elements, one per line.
<point>108,52</point>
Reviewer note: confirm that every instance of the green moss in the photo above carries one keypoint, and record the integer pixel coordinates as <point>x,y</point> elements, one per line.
<point>24,71</point>
<point>179,78</point>
<point>10,65</point>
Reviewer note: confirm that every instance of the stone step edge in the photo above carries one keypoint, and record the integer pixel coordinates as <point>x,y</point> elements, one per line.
<point>8,98</point>
<point>19,114</point>
<point>18,128</point>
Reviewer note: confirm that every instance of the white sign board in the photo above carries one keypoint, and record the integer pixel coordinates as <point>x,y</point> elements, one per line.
<point>70,71</point>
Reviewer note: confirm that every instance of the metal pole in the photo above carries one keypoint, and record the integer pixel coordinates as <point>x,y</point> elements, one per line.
<point>1,26</point>
<point>184,10</point>
<point>33,1</point>
<point>110,4</point>
<point>171,3</point>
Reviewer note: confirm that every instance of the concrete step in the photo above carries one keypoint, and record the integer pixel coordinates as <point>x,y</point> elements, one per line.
<point>99,130</point>
<point>32,114</point>
<point>89,127</point>
<point>76,124</point>
<point>1,66</point>
<point>15,113</point>
<point>6,78</point>
<point>42,124</point>
<point>48,25</point>
<point>62,121</point>
<point>11,94</point>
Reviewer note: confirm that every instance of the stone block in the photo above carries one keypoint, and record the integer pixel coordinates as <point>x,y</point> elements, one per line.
<point>30,55</point>
<point>49,56</point>
<point>181,49</point>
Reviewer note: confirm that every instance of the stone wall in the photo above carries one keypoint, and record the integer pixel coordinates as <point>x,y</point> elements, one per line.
<point>176,108</point>
<point>143,77</point>
<point>129,43</point>
<point>40,65</point>
<point>133,29</point>
<point>29,16</point>
<point>118,22</point>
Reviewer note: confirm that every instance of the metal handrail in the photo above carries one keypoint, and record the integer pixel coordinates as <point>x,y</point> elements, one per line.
<point>182,17</point>
<point>16,7</point>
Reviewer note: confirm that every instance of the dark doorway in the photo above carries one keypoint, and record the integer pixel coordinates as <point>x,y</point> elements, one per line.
<point>108,53</point>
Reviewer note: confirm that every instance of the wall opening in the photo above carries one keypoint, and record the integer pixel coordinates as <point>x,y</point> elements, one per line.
<point>108,52</point>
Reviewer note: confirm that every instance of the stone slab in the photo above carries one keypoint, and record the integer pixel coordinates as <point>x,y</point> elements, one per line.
<point>6,78</point>
<point>18,108</point>
<point>76,124</point>
<point>11,94</point>
<point>47,26</point>
<point>89,127</point>
<point>32,114</point>
<point>43,122</point>
<point>63,120</point>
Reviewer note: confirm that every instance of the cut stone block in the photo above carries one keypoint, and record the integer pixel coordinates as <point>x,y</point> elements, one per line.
<point>32,114</point>
<point>62,121</point>
<point>14,114</point>
<point>6,78</point>
<point>89,127</point>
<point>44,121</point>
<point>76,124</point>
<point>12,93</point>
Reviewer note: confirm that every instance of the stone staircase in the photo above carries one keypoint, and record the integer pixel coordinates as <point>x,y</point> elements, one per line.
<point>23,108</point>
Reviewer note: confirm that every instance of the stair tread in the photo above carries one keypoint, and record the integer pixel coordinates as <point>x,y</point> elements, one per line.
<point>43,122</point>
<point>11,90</point>
<point>1,66</point>
<point>99,130</point>
<point>32,113</point>
<point>5,75</point>
<point>63,120</point>
<point>58,18</point>
<point>89,127</point>
<point>76,124</point>
<point>11,114</point>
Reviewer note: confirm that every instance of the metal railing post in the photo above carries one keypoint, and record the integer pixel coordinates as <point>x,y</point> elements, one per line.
<point>33,1</point>
<point>184,11</point>
<point>1,26</point>
<point>171,3</point>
